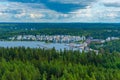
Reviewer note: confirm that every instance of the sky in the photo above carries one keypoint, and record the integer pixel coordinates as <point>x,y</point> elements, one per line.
<point>91,11</point>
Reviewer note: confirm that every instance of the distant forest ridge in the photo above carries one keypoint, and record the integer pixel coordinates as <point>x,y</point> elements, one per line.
<point>96,30</point>
<point>61,25</point>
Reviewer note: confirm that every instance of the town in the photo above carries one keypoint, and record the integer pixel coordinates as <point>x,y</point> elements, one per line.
<point>79,42</point>
<point>48,38</point>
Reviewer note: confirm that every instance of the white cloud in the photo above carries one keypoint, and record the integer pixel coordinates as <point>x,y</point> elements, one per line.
<point>110,1</point>
<point>20,15</point>
<point>35,15</point>
<point>23,12</point>
<point>84,2</point>
<point>96,13</point>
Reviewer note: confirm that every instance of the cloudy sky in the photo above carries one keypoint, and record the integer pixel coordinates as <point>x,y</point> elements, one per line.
<point>60,11</point>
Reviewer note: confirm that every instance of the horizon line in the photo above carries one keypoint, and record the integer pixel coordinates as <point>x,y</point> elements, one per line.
<point>67,22</point>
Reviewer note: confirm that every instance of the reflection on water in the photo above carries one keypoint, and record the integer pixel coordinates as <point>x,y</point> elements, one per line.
<point>34,44</point>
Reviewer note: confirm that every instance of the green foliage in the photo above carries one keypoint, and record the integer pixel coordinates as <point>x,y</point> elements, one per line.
<point>96,30</point>
<point>40,64</point>
<point>109,47</point>
<point>17,70</point>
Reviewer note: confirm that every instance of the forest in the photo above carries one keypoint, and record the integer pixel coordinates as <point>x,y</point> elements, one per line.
<point>21,63</point>
<point>110,46</point>
<point>96,30</point>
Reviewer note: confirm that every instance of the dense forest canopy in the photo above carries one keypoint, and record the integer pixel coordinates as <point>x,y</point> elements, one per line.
<point>96,30</point>
<point>111,46</point>
<point>41,64</point>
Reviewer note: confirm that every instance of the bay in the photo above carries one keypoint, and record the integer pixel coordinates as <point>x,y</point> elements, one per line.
<point>33,44</point>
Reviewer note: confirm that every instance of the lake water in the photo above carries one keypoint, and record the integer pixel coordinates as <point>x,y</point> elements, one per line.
<point>34,44</point>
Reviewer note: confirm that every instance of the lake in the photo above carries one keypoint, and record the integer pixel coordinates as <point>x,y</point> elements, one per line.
<point>35,44</point>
